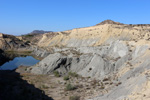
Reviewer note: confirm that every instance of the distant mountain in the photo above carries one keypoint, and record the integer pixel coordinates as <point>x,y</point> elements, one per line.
<point>35,32</point>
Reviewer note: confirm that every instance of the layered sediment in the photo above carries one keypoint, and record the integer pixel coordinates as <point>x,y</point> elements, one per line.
<point>107,50</point>
<point>110,51</point>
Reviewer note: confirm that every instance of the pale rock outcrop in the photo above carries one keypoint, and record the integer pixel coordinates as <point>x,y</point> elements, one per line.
<point>1,35</point>
<point>87,64</point>
<point>11,43</point>
<point>109,49</point>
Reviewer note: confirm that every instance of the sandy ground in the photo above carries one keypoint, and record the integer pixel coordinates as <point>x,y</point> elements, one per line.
<point>55,87</point>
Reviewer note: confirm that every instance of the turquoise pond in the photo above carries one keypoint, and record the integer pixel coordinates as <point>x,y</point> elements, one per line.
<point>18,61</point>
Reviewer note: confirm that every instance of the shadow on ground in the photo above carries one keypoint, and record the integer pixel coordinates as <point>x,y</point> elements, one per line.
<point>12,87</point>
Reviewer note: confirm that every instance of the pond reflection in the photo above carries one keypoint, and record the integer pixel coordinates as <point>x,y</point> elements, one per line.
<point>12,61</point>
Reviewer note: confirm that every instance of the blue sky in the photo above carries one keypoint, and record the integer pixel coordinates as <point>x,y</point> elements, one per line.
<point>23,16</point>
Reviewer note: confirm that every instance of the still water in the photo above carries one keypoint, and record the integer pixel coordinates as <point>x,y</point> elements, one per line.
<point>18,61</point>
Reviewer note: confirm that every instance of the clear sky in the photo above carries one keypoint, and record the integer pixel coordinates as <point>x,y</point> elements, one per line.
<point>23,16</point>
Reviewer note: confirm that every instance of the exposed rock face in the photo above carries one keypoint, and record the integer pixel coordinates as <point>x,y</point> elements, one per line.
<point>110,49</point>
<point>9,42</point>
<point>95,36</point>
<point>94,63</point>
<point>1,35</point>
<point>127,63</point>
<point>39,52</point>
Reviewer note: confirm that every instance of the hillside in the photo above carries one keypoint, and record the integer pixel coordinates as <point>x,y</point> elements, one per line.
<point>97,35</point>
<point>11,43</point>
<point>109,50</point>
<point>110,61</point>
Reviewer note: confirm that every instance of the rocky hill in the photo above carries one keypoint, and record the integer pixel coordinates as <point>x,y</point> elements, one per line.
<point>114,55</point>
<point>11,43</point>
<point>36,32</point>
<point>111,51</point>
<point>96,35</point>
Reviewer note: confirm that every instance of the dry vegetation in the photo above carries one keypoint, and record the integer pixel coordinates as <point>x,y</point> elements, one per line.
<point>69,87</point>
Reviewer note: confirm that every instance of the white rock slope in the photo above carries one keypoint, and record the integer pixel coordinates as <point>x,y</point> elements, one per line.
<point>109,49</point>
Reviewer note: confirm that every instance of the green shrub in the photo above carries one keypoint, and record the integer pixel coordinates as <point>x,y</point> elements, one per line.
<point>70,87</point>
<point>73,74</point>
<point>56,73</point>
<point>102,86</point>
<point>25,69</point>
<point>74,98</point>
<point>89,77</point>
<point>44,87</point>
<point>66,77</point>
